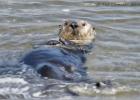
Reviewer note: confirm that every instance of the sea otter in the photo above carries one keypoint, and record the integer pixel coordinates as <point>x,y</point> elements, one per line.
<point>64,59</point>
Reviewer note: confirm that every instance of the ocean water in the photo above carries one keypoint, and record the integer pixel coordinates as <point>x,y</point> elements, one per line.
<point>116,55</point>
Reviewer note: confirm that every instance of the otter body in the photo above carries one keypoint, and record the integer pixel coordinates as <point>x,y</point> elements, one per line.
<point>58,63</point>
<point>65,62</point>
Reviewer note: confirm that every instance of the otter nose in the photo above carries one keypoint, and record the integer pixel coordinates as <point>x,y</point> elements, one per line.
<point>74,25</point>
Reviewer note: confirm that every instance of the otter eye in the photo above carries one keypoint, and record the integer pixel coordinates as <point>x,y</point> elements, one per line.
<point>84,24</point>
<point>66,23</point>
<point>59,26</point>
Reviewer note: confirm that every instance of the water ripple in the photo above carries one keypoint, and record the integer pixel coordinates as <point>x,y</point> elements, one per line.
<point>24,23</point>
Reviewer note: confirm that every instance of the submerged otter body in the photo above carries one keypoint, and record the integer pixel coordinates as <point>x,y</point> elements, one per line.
<point>66,61</point>
<point>58,63</point>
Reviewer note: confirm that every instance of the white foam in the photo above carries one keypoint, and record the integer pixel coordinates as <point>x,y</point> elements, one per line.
<point>89,4</point>
<point>12,80</point>
<point>37,94</point>
<point>65,98</point>
<point>10,90</point>
<point>66,10</point>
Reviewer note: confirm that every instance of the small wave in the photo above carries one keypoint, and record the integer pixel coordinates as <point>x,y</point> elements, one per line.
<point>13,87</point>
<point>92,90</point>
<point>12,80</point>
<point>19,2</point>
<point>112,3</point>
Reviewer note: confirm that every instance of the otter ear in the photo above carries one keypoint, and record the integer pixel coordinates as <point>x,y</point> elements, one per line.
<point>60,26</point>
<point>93,28</point>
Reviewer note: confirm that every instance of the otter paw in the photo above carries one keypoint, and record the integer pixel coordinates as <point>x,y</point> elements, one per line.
<point>53,42</point>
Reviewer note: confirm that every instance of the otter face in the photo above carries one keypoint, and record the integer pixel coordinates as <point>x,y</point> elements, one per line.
<point>79,32</point>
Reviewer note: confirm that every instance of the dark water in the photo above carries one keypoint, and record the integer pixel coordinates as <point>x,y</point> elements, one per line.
<point>116,55</point>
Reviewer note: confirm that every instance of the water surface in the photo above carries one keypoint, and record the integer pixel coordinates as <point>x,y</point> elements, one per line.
<point>116,55</point>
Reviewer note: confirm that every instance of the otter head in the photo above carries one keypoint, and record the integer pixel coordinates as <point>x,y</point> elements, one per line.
<point>79,32</point>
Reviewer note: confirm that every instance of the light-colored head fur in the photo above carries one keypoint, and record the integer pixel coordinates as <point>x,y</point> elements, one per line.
<point>82,34</point>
